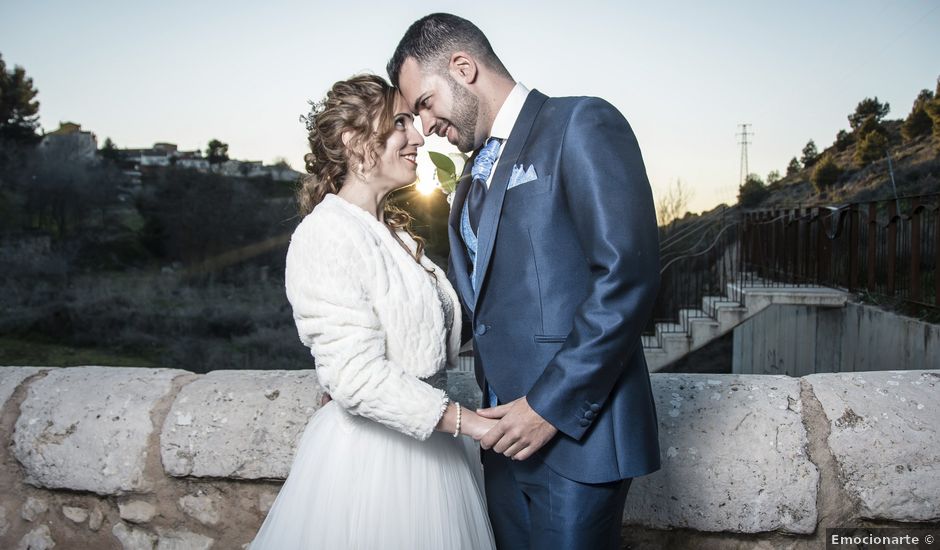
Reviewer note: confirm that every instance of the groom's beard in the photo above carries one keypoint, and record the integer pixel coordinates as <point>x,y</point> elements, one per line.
<point>464,117</point>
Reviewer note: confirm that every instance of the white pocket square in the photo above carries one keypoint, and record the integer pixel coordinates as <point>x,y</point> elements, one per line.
<point>521,175</point>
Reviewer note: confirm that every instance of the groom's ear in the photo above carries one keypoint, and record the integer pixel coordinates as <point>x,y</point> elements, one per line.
<point>463,68</point>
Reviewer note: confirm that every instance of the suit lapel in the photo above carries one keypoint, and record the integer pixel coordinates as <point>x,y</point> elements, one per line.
<point>493,205</point>
<point>460,193</point>
<point>458,251</point>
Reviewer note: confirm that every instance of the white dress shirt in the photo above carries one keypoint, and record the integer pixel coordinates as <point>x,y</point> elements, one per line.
<point>506,119</point>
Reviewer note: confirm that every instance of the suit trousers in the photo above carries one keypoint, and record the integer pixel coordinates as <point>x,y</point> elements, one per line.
<point>533,507</point>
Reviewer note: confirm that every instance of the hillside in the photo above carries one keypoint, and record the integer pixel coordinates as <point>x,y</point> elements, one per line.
<point>916,167</point>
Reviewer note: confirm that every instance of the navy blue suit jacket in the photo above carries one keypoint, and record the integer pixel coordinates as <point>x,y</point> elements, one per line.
<point>568,273</point>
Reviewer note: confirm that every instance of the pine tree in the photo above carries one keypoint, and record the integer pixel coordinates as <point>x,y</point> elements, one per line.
<point>217,152</point>
<point>810,154</point>
<point>868,108</point>
<point>794,166</point>
<point>109,151</point>
<point>19,110</point>
<point>918,122</point>
<point>843,140</point>
<point>932,108</point>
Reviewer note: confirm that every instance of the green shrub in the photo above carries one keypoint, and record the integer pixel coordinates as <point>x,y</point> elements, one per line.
<point>826,174</point>
<point>871,147</point>
<point>918,122</point>
<point>932,109</point>
<point>752,192</point>
<point>843,140</point>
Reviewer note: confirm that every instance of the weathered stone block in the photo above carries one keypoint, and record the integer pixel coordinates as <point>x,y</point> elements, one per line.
<point>86,428</point>
<point>266,500</point>
<point>39,538</point>
<point>734,457</point>
<point>33,508</point>
<point>11,377</point>
<point>238,424</point>
<point>885,430</point>
<point>136,511</point>
<point>182,540</point>
<point>133,538</point>
<point>95,518</point>
<point>74,513</point>
<point>200,507</point>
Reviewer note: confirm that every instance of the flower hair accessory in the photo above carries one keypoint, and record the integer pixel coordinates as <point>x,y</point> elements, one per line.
<point>316,107</point>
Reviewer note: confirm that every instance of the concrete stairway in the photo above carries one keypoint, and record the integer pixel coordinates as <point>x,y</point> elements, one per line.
<point>720,314</point>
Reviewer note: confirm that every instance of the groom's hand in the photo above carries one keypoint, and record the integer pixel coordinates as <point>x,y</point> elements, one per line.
<point>520,431</point>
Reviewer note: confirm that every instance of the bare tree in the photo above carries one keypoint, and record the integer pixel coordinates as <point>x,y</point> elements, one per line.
<point>673,203</point>
<point>61,184</point>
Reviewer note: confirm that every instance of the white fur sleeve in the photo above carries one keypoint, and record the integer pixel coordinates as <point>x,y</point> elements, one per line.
<point>326,267</point>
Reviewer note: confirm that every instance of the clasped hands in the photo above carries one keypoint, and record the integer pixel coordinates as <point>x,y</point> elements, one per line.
<point>513,429</point>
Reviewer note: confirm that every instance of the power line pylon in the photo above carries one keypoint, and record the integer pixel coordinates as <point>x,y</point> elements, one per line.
<point>743,135</point>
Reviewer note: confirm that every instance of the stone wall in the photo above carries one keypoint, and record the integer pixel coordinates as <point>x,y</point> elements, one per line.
<point>113,457</point>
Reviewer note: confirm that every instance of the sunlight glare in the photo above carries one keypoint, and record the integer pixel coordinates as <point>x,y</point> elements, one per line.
<point>427,176</point>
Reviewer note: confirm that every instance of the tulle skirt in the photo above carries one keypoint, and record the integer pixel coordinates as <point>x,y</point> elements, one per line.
<point>357,485</point>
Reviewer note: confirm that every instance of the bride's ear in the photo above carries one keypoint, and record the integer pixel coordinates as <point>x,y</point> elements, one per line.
<point>351,153</point>
<point>358,157</point>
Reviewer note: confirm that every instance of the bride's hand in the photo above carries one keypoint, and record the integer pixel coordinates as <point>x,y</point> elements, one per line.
<point>475,425</point>
<point>471,424</point>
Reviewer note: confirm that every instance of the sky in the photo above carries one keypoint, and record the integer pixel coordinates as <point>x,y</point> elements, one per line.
<point>684,74</point>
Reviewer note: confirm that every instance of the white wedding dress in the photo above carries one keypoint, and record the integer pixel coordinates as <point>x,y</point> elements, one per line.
<point>355,484</point>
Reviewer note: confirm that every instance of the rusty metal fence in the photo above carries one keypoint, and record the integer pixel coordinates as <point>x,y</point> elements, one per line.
<point>888,249</point>
<point>884,248</point>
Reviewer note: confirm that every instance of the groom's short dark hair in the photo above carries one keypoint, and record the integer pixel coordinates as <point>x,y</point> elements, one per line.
<point>432,39</point>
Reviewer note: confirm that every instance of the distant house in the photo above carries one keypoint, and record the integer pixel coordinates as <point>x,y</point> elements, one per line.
<point>69,140</point>
<point>169,148</point>
<point>192,160</point>
<point>283,172</point>
<point>161,155</point>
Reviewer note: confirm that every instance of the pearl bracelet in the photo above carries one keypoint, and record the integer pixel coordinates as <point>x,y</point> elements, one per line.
<point>457,431</point>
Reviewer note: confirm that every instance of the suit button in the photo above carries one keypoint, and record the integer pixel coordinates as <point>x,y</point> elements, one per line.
<point>585,422</point>
<point>595,407</point>
<point>589,415</point>
<point>481,330</point>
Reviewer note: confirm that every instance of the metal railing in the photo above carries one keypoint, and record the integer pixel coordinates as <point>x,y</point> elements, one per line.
<point>698,260</point>
<point>889,249</point>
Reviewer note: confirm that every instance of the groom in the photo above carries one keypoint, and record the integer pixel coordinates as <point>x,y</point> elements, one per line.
<point>554,252</point>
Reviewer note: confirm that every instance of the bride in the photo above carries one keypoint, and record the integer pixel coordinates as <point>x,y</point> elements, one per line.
<point>381,465</point>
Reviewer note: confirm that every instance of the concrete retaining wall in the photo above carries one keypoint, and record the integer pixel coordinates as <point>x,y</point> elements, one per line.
<point>799,340</point>
<point>111,457</point>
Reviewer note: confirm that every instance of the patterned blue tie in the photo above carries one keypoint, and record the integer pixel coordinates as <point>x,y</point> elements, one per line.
<point>480,172</point>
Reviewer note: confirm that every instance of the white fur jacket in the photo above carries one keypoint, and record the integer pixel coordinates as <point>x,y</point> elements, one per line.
<point>370,316</point>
